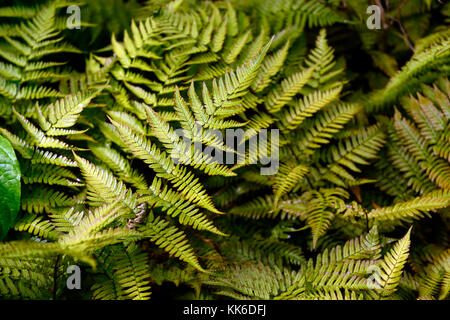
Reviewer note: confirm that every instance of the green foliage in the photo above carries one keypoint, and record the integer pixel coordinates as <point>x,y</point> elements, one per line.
<point>9,187</point>
<point>356,208</point>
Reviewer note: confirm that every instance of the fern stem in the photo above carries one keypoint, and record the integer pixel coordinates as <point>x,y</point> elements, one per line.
<point>55,276</point>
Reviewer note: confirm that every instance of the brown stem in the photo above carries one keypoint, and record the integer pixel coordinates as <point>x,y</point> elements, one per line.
<point>55,276</point>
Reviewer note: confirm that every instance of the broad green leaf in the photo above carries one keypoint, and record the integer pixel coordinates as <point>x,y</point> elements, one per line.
<point>9,187</point>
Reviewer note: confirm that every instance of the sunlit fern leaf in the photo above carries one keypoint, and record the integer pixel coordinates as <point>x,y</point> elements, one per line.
<point>227,90</point>
<point>23,248</point>
<point>286,179</point>
<point>438,170</point>
<point>411,210</point>
<point>421,62</point>
<point>18,12</point>
<point>320,130</point>
<point>320,209</point>
<point>131,272</point>
<point>65,112</point>
<point>185,153</point>
<point>97,219</point>
<point>270,67</point>
<point>171,239</point>
<point>103,187</point>
<point>288,88</point>
<point>357,149</point>
<point>36,155</point>
<point>191,122</point>
<point>43,199</point>
<point>51,175</point>
<point>307,106</point>
<point>391,267</point>
<point>119,165</point>
<point>363,247</point>
<point>164,167</point>
<point>39,138</point>
<point>321,59</point>
<point>232,50</point>
<point>126,211</point>
<point>66,218</point>
<point>36,225</point>
<point>176,206</point>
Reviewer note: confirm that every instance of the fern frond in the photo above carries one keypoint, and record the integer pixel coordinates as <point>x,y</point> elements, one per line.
<point>131,273</point>
<point>307,107</point>
<point>103,187</point>
<point>410,210</point>
<point>289,87</point>
<point>171,239</point>
<point>36,225</point>
<point>183,180</point>
<point>391,267</point>
<point>421,62</point>
<point>176,206</point>
<point>286,179</point>
<point>43,199</point>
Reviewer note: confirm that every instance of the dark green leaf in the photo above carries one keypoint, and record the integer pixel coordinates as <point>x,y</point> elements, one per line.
<point>9,187</point>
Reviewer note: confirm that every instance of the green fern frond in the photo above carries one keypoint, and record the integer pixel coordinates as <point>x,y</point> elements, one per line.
<point>43,199</point>
<point>36,225</point>
<point>171,239</point>
<point>131,273</point>
<point>410,210</point>
<point>176,206</point>
<point>103,187</point>
<point>391,267</point>
<point>286,179</point>
<point>183,180</point>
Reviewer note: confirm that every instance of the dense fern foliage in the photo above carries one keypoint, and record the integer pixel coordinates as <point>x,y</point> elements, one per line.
<point>357,206</point>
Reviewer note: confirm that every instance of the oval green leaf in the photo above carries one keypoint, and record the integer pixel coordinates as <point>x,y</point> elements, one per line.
<point>9,187</point>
